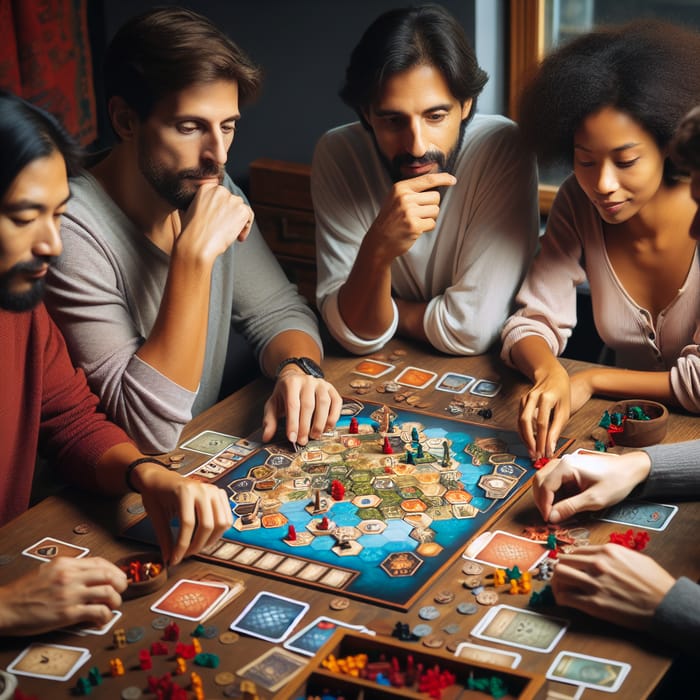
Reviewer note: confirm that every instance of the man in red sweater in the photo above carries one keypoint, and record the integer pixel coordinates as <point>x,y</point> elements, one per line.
<point>45,401</point>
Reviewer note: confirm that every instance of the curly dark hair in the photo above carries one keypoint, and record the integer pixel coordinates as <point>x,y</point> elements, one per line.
<point>685,146</point>
<point>647,69</point>
<point>406,37</point>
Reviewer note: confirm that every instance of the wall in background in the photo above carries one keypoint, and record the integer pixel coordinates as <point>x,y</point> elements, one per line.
<point>303,47</point>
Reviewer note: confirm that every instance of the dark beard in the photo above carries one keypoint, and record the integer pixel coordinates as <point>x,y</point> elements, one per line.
<point>176,188</point>
<point>23,301</point>
<point>445,163</point>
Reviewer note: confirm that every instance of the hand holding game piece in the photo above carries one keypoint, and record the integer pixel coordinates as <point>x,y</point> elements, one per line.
<point>63,592</point>
<point>311,406</point>
<point>202,510</point>
<point>611,582</point>
<point>588,481</point>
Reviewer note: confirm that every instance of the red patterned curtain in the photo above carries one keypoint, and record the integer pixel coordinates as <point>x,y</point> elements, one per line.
<point>45,58</point>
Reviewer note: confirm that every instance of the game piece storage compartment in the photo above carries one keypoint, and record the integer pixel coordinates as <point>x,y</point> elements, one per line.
<point>316,681</point>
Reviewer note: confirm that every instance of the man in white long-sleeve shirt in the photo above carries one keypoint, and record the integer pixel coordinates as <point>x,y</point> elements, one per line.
<point>427,215</point>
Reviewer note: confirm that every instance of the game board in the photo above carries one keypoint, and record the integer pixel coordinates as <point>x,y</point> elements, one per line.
<point>395,526</point>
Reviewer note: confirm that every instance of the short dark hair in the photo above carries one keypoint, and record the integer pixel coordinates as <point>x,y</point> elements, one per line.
<point>406,37</point>
<point>685,146</point>
<point>167,49</point>
<point>646,69</point>
<point>28,133</point>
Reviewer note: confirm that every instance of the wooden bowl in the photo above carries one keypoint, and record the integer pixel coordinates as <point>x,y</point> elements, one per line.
<point>136,589</point>
<point>640,433</point>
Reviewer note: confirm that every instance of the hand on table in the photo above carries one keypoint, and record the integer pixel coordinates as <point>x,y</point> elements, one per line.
<point>544,411</point>
<point>587,482</point>
<point>611,582</point>
<point>311,406</point>
<point>203,510</point>
<point>60,593</point>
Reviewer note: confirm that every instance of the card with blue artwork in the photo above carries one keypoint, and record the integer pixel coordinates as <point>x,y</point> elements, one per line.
<point>270,617</point>
<point>309,640</point>
<point>652,516</point>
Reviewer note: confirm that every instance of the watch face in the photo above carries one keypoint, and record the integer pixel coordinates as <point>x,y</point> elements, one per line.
<point>310,367</point>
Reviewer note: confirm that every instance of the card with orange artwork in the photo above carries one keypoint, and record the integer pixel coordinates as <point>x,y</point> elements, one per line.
<point>373,368</point>
<point>503,550</point>
<point>416,377</point>
<point>191,600</point>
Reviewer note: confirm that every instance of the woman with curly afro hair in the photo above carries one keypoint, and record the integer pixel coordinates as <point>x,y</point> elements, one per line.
<point>608,103</point>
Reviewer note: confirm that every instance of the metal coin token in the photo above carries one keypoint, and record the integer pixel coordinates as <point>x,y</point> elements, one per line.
<point>422,630</point>
<point>135,634</point>
<point>466,608</point>
<point>224,678</point>
<point>160,622</point>
<point>211,631</point>
<point>81,529</point>
<point>228,637</point>
<point>428,612</point>
<point>131,693</point>
<point>487,597</point>
<point>232,691</point>
<point>339,604</point>
<point>433,641</point>
<point>451,629</point>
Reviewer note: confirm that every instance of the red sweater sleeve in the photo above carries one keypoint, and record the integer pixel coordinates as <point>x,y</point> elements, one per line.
<point>45,402</point>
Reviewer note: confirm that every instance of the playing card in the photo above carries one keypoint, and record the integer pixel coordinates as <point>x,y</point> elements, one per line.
<point>504,551</point>
<point>209,442</point>
<point>373,368</point>
<point>49,548</point>
<point>191,600</point>
<point>520,628</point>
<point>273,669</point>
<point>270,617</point>
<point>652,516</point>
<point>55,662</point>
<point>83,629</point>
<point>235,585</point>
<point>416,377</point>
<point>309,640</point>
<point>588,671</point>
<point>454,383</point>
<point>481,654</point>
<point>486,388</point>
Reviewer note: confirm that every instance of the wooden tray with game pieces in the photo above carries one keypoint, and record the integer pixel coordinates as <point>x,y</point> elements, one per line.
<point>414,665</point>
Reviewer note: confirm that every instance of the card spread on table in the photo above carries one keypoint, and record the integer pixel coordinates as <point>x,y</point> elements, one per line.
<point>209,442</point>
<point>373,368</point>
<point>651,516</point>
<point>270,617</point>
<point>454,383</point>
<point>416,378</point>
<point>520,628</point>
<point>588,671</point>
<point>504,550</point>
<point>486,388</point>
<point>310,639</point>
<point>481,654</point>
<point>191,600</point>
<point>49,548</point>
<point>273,669</point>
<point>55,662</point>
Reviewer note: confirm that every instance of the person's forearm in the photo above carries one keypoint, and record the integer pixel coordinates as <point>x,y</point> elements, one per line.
<point>364,301</point>
<point>286,344</point>
<point>411,314</point>
<point>620,383</point>
<point>177,342</point>
<point>534,358</point>
<point>110,470</point>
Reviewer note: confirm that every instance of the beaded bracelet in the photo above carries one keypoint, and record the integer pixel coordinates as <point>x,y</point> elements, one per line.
<point>134,464</point>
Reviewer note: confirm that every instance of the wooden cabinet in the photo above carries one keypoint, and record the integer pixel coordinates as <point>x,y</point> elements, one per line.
<point>280,195</point>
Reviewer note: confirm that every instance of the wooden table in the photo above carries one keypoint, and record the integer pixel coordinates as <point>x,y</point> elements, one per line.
<point>677,549</point>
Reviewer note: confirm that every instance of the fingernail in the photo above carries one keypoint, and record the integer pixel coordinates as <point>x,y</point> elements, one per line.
<point>293,437</point>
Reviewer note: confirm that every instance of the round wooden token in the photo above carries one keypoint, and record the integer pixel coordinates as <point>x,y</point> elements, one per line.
<point>433,641</point>
<point>131,693</point>
<point>339,604</point>
<point>471,582</point>
<point>228,637</point>
<point>360,384</point>
<point>487,597</point>
<point>177,457</point>
<point>452,645</point>
<point>444,597</point>
<point>399,352</point>
<point>224,678</point>
<point>471,568</point>
<point>81,529</point>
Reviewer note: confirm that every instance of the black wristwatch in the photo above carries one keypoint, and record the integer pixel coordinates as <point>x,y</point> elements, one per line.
<point>305,363</point>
